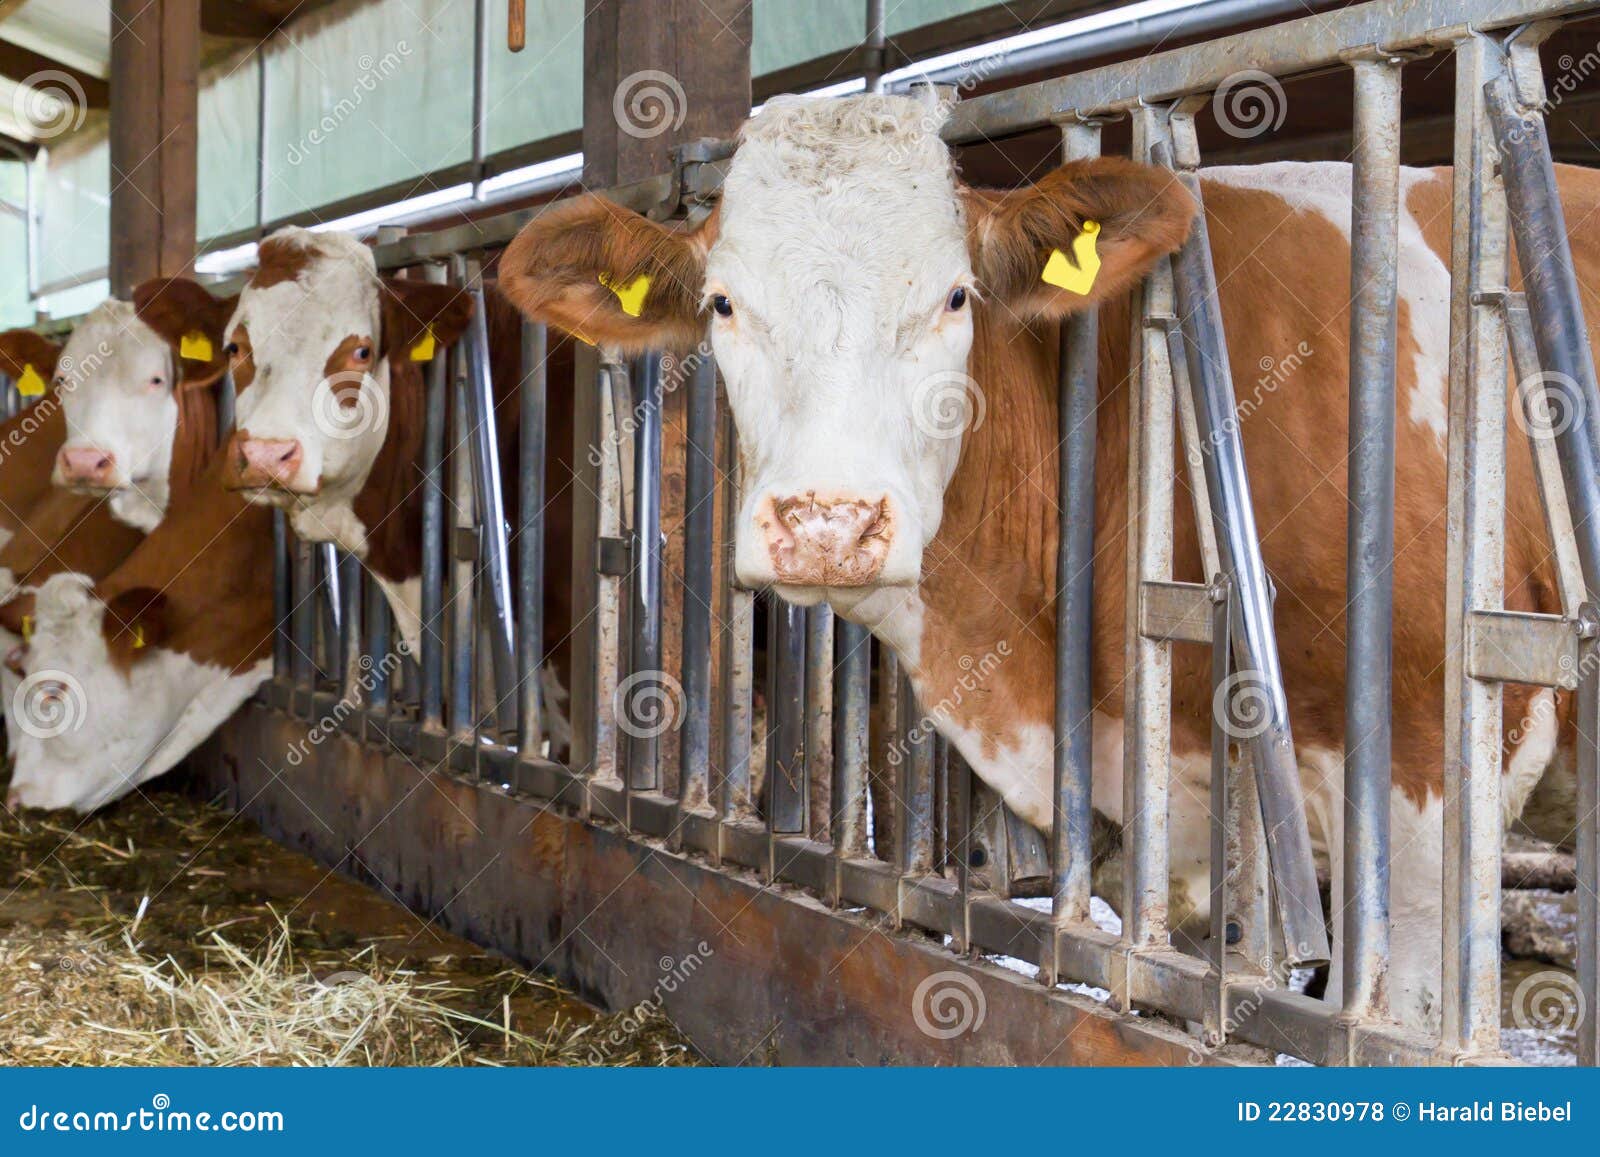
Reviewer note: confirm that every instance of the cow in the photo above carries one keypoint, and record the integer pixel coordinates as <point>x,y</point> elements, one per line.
<point>848,277</point>
<point>31,438</point>
<point>123,678</point>
<point>327,362</point>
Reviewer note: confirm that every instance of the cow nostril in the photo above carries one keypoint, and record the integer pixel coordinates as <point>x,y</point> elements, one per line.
<point>288,454</point>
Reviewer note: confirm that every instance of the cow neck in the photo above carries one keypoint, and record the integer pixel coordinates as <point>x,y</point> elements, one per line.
<point>389,504</point>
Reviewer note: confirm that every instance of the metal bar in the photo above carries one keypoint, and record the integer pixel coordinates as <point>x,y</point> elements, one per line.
<point>786,697</point>
<point>465,550</point>
<point>699,574</point>
<point>480,92</point>
<point>611,386</point>
<point>1369,577</point>
<point>433,543</point>
<point>1588,757</point>
<point>1475,565</point>
<point>874,44</point>
<point>1147,744</point>
<point>1550,285</point>
<point>914,786</point>
<point>282,596</point>
<point>1260,675</point>
<point>351,673</point>
<point>330,611</point>
<point>820,627</point>
<point>852,746</point>
<point>1070,857</point>
<point>960,848</point>
<point>530,536</point>
<point>644,614</point>
<point>303,615</point>
<point>378,621</point>
<point>494,548</point>
<point>737,701</point>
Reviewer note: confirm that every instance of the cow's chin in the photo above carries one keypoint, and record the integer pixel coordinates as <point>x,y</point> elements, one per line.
<point>278,497</point>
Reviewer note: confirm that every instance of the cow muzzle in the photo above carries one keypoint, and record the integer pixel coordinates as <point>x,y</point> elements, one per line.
<point>86,466</point>
<point>263,463</point>
<point>817,541</point>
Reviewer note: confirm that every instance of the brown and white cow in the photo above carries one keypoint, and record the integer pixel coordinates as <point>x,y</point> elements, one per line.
<point>848,278</point>
<point>327,361</point>
<point>31,438</point>
<point>124,677</point>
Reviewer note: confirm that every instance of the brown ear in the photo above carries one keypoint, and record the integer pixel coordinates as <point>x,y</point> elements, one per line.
<point>178,308</point>
<point>21,348</point>
<point>410,308</point>
<point>561,269</point>
<point>1142,213</point>
<point>134,622</point>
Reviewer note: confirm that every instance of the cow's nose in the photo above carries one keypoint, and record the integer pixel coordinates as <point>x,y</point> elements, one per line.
<point>86,466</point>
<point>266,461</point>
<point>829,542</point>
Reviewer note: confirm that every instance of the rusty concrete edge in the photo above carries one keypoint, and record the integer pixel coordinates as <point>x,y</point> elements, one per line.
<point>750,974</point>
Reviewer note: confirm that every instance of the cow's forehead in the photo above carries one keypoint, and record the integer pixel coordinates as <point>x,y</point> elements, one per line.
<point>110,341</point>
<point>311,286</point>
<point>854,192</point>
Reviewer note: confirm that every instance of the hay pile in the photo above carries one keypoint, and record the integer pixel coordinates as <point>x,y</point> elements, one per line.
<point>165,932</point>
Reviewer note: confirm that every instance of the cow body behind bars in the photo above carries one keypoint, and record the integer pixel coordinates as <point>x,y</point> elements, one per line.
<point>858,295</point>
<point>142,428</point>
<point>329,366</point>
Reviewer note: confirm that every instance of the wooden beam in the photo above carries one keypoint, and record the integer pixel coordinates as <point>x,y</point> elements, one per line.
<point>253,19</point>
<point>19,64</point>
<point>155,68</point>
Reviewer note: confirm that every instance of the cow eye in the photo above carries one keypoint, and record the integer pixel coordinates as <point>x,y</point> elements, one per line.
<point>231,349</point>
<point>362,353</point>
<point>958,298</point>
<point>158,382</point>
<point>720,303</point>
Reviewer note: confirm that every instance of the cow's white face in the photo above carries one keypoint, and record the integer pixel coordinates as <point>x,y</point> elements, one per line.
<point>841,293</point>
<point>115,380</point>
<point>84,731</point>
<point>313,401</point>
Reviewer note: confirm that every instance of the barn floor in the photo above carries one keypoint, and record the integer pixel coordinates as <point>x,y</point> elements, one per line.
<point>165,931</point>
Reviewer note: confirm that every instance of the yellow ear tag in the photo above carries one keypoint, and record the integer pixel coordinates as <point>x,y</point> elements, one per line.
<point>30,384</point>
<point>630,296</point>
<point>195,347</point>
<point>27,628</point>
<point>138,636</point>
<point>1079,278</point>
<point>423,350</point>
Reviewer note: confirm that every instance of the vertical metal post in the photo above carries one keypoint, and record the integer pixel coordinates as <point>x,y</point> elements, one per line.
<point>494,551</point>
<point>433,543</point>
<point>480,93</point>
<point>914,786</point>
<point>378,621</point>
<point>644,614</point>
<point>699,575</point>
<point>1475,565</point>
<point>875,41</point>
<point>786,697</point>
<point>465,535</point>
<point>303,615</point>
<point>352,675</point>
<point>330,612</point>
<point>1147,744</point>
<point>1070,855</point>
<point>1369,578</point>
<point>852,714</point>
<point>1588,755</point>
<point>530,536</point>
<point>262,124</point>
<point>282,596</point>
<point>738,646</point>
<point>819,719</point>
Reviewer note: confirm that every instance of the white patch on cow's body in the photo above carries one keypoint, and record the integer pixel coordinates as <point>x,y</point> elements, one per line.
<point>294,327</point>
<point>117,382</point>
<point>1536,739</point>
<point>320,519</point>
<point>1323,187</point>
<point>6,536</point>
<point>405,601</point>
<point>840,239</point>
<point>128,728</point>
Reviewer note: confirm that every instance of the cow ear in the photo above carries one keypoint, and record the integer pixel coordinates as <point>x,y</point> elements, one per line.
<point>1081,235</point>
<point>192,322</point>
<point>22,349</point>
<point>609,276</point>
<point>415,311</point>
<point>134,622</point>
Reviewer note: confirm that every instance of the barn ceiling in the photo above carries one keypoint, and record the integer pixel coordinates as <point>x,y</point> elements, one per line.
<point>60,50</point>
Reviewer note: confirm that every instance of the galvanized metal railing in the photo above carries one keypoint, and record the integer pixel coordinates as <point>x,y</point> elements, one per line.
<point>833,697</point>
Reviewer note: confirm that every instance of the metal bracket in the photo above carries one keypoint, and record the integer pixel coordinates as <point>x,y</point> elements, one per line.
<point>685,190</point>
<point>616,556</point>
<point>464,545</point>
<point>1176,612</point>
<point>1515,647</point>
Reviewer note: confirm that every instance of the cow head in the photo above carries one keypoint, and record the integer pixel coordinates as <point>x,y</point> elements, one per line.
<point>839,278</point>
<point>312,344</point>
<point>124,381</point>
<point>98,695</point>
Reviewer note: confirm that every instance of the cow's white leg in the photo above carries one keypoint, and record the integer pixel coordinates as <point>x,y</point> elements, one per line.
<point>1416,866</point>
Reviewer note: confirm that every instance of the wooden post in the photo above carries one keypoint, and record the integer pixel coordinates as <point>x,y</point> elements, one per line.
<point>658,73</point>
<point>155,66</point>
